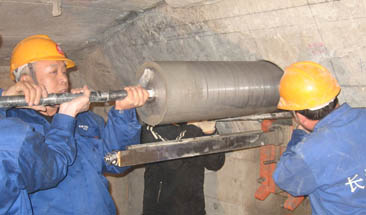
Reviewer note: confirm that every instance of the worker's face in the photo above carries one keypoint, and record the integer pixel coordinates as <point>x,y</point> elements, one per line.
<point>52,75</point>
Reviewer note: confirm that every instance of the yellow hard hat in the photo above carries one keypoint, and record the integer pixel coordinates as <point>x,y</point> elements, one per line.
<point>307,85</point>
<point>36,48</point>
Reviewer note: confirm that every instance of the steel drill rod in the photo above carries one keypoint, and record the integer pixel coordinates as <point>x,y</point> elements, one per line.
<point>95,96</point>
<point>59,98</point>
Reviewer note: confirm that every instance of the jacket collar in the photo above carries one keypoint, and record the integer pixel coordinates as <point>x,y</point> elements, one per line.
<point>333,116</point>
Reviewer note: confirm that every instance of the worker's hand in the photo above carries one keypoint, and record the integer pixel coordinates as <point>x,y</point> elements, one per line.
<point>77,105</point>
<point>207,127</point>
<point>136,97</point>
<point>29,89</point>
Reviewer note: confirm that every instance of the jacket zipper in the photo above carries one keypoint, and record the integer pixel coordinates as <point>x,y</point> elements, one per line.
<point>160,186</point>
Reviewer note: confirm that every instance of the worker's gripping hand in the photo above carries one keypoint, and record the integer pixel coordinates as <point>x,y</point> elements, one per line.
<point>136,97</point>
<point>31,91</point>
<point>77,105</point>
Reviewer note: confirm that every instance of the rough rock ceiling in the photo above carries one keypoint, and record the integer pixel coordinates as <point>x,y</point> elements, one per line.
<point>80,22</point>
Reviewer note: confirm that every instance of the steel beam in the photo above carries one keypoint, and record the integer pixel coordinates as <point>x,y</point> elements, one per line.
<point>191,147</point>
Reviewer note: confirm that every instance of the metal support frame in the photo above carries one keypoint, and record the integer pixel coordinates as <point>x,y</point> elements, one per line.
<point>191,147</point>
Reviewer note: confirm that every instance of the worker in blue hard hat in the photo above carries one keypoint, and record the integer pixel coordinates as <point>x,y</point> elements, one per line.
<point>39,66</point>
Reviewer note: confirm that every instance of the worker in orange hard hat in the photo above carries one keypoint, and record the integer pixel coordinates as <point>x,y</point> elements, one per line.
<point>39,67</point>
<point>325,156</point>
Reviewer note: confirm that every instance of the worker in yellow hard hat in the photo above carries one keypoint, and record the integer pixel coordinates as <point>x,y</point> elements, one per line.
<point>36,48</point>
<point>325,156</point>
<point>39,67</point>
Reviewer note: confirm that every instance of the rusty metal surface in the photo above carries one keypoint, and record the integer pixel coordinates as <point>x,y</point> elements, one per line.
<point>191,147</point>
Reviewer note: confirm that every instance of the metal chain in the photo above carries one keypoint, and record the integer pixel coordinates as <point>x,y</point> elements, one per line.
<point>158,136</point>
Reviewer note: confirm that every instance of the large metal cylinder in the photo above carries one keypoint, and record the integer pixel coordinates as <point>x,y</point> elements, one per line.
<point>193,91</point>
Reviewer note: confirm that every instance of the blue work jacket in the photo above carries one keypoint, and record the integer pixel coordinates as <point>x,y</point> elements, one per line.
<point>30,162</point>
<point>84,190</point>
<point>328,164</point>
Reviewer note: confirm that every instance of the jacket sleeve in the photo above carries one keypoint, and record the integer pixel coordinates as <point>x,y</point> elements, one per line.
<point>292,174</point>
<point>44,163</point>
<point>122,129</point>
<point>10,145</point>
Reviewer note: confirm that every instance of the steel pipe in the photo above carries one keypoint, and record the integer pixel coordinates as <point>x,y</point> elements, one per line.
<point>192,91</point>
<point>59,98</point>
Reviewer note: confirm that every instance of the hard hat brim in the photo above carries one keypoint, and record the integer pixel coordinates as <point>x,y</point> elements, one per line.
<point>69,63</point>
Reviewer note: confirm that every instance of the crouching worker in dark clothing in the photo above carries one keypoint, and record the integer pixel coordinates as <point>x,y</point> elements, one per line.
<point>176,187</point>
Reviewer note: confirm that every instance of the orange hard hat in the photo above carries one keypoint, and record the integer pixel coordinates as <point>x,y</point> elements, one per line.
<point>307,85</point>
<point>36,48</point>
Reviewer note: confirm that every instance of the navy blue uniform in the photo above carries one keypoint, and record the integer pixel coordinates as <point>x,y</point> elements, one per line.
<point>84,189</point>
<point>29,161</point>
